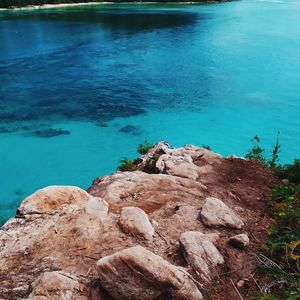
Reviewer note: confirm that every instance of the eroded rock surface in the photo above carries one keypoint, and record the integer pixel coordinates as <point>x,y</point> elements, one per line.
<point>137,273</point>
<point>147,191</point>
<point>216,213</point>
<point>62,231</point>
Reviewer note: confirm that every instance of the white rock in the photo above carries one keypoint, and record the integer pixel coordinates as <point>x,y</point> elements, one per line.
<point>216,213</point>
<point>54,198</point>
<point>135,221</point>
<point>200,252</point>
<point>181,166</point>
<point>136,273</point>
<point>239,241</point>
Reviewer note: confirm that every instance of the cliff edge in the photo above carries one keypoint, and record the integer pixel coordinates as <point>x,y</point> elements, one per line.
<point>185,225</point>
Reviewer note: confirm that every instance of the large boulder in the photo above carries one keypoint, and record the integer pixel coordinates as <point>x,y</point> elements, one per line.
<point>149,192</point>
<point>135,221</point>
<point>136,273</point>
<point>53,199</point>
<point>200,252</point>
<point>216,213</point>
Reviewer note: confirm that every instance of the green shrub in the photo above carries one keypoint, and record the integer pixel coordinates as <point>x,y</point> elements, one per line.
<point>144,148</point>
<point>150,166</point>
<point>289,171</point>
<point>256,153</point>
<point>128,164</point>
<point>206,147</point>
<point>283,245</point>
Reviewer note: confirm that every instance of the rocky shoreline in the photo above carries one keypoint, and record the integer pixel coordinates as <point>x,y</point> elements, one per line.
<point>189,228</point>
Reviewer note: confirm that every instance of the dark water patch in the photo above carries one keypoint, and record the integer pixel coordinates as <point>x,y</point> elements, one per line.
<point>48,133</point>
<point>130,129</point>
<point>4,129</point>
<point>19,192</point>
<point>126,20</point>
<point>101,125</point>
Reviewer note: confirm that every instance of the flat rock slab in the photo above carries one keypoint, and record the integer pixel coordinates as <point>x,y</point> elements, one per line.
<point>136,273</point>
<point>216,213</point>
<point>147,191</point>
<point>200,252</point>
<point>135,221</point>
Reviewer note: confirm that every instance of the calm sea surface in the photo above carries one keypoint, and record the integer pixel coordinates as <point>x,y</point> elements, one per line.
<point>108,77</point>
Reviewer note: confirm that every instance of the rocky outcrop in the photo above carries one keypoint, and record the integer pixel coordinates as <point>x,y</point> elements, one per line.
<point>200,252</point>
<point>146,191</point>
<point>50,249</point>
<point>137,273</point>
<point>135,221</point>
<point>216,213</point>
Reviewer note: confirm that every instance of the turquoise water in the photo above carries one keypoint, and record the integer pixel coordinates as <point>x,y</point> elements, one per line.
<point>112,76</point>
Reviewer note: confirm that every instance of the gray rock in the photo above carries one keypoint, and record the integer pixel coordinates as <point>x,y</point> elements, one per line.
<point>239,241</point>
<point>200,252</point>
<point>136,273</point>
<point>135,221</point>
<point>216,213</point>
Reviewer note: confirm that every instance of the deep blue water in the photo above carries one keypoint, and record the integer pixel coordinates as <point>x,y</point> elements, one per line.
<point>112,76</point>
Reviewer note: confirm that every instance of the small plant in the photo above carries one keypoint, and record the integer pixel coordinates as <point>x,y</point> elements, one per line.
<point>144,148</point>
<point>275,154</point>
<point>289,171</point>
<point>206,147</point>
<point>256,153</point>
<point>128,164</point>
<point>150,167</point>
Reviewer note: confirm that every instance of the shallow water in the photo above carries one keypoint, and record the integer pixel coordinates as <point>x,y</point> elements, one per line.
<point>113,76</point>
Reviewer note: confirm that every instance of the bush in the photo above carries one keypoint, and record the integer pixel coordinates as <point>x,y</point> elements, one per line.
<point>144,148</point>
<point>289,171</point>
<point>283,245</point>
<point>256,153</point>
<point>128,164</point>
<point>282,270</point>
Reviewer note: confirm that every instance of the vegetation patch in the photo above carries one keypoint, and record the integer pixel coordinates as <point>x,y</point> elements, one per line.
<point>131,165</point>
<point>280,265</point>
<point>127,164</point>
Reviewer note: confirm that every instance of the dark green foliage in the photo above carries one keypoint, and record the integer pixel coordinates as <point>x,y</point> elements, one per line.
<point>151,164</point>
<point>206,147</point>
<point>21,3</point>
<point>289,171</point>
<point>144,148</point>
<point>275,154</point>
<point>256,153</point>
<point>283,245</point>
<point>128,164</point>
